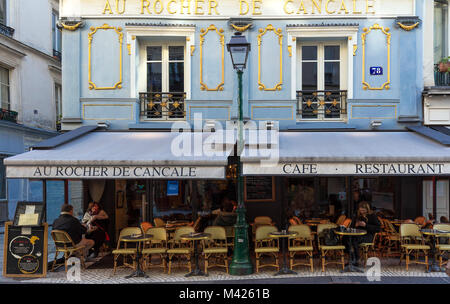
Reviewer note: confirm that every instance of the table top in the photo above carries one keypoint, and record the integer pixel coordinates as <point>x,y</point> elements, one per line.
<point>137,238</point>
<point>281,234</point>
<point>350,232</point>
<point>435,232</point>
<point>195,236</point>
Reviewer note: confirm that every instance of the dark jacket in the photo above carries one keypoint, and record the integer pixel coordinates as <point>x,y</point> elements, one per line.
<point>373,225</point>
<point>71,225</point>
<point>225,219</point>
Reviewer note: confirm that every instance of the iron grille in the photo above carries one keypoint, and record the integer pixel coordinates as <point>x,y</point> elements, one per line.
<point>321,105</point>
<point>162,105</point>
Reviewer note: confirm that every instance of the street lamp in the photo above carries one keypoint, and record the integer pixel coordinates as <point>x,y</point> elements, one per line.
<point>241,263</point>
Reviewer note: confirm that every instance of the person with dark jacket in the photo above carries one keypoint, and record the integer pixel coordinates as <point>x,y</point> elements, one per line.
<point>366,220</point>
<point>68,223</point>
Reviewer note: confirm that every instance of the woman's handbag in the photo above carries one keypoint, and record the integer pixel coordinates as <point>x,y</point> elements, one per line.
<point>330,238</point>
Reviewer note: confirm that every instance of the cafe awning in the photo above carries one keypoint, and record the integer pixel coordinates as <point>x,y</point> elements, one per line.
<point>126,155</point>
<point>348,153</point>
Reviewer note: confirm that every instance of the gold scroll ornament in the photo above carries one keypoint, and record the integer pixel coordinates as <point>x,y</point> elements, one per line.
<point>277,32</point>
<point>386,85</point>
<point>219,32</point>
<point>118,30</point>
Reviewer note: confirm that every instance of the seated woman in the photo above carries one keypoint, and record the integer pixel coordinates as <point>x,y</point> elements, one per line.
<point>99,226</point>
<point>365,219</point>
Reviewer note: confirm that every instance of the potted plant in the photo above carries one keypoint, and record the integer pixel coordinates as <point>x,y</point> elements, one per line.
<point>444,65</point>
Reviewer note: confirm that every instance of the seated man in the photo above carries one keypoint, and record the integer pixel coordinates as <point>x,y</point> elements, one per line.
<point>68,223</point>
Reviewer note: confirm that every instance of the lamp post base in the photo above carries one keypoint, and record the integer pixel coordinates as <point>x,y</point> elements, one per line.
<point>241,268</point>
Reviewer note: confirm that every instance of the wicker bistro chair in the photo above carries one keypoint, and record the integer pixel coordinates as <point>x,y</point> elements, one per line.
<point>229,230</point>
<point>261,221</point>
<point>326,250</point>
<point>145,226</point>
<point>442,243</point>
<point>216,247</point>
<point>390,239</point>
<point>179,247</point>
<point>157,246</point>
<point>159,222</point>
<point>301,243</point>
<point>366,248</point>
<point>65,244</point>
<point>412,241</point>
<point>264,245</point>
<point>124,251</point>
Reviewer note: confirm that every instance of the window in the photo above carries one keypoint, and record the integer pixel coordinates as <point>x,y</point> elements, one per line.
<point>58,105</point>
<point>56,35</point>
<point>4,89</point>
<point>440,30</point>
<point>3,12</point>
<point>2,178</point>
<point>165,94</point>
<point>321,80</point>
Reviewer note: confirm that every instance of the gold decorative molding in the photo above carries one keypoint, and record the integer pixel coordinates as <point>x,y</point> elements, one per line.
<point>290,50</point>
<point>355,48</point>
<point>192,50</point>
<point>119,32</point>
<point>408,27</point>
<point>241,28</point>
<point>219,32</point>
<point>277,32</point>
<point>385,31</point>
<point>71,27</point>
<point>129,48</point>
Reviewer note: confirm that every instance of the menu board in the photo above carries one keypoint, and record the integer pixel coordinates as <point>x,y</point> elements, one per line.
<point>29,214</point>
<point>25,251</point>
<point>259,189</point>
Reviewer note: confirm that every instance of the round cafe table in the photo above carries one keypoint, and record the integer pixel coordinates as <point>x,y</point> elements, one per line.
<point>350,233</point>
<point>284,235</point>
<point>196,238</point>
<point>137,238</point>
<point>433,233</point>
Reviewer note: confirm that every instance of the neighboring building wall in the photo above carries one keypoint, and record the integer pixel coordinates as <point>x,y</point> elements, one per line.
<point>26,51</point>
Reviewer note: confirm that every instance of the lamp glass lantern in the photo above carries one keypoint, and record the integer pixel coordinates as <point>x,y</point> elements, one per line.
<point>239,49</point>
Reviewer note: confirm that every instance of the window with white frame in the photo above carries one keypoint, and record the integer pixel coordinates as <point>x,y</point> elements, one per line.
<point>440,30</point>
<point>5,102</point>
<point>164,79</point>
<point>56,35</point>
<point>322,80</point>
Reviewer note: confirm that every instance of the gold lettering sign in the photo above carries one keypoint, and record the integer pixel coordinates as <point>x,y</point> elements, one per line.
<point>240,7</point>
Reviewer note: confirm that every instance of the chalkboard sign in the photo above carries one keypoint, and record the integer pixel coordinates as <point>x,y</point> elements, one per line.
<point>259,189</point>
<point>25,251</point>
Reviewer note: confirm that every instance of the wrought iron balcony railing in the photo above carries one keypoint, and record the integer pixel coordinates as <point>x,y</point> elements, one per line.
<point>162,106</point>
<point>8,115</point>
<point>441,79</point>
<point>321,105</point>
<point>6,30</point>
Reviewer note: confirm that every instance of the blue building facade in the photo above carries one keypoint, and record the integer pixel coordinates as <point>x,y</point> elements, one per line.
<point>313,64</point>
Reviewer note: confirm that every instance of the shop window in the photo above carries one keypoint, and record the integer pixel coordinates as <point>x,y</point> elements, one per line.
<point>321,85</point>
<point>4,89</point>
<point>440,30</point>
<point>165,92</point>
<point>2,179</point>
<point>378,192</point>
